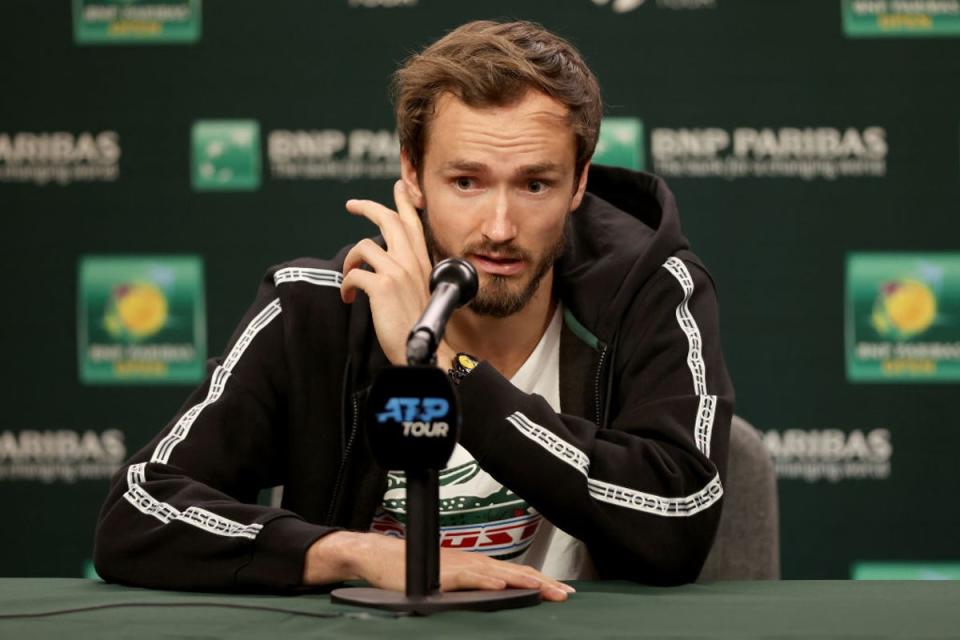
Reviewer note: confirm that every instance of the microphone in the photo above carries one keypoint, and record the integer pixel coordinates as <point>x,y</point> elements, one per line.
<point>453,283</point>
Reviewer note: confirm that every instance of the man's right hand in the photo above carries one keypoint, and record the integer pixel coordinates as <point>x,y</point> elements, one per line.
<point>381,561</point>
<point>398,282</point>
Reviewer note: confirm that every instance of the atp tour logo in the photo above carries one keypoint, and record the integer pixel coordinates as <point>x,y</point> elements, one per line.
<point>419,416</point>
<point>412,418</point>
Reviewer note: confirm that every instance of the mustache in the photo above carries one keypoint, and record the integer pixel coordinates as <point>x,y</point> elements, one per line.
<point>507,251</point>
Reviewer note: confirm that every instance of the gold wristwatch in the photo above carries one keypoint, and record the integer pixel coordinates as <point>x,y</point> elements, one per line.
<point>463,364</point>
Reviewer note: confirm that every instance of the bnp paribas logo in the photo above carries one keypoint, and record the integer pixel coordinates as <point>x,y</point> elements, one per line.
<point>621,143</point>
<point>226,155</point>
<point>901,18</point>
<point>903,317</point>
<point>136,21</point>
<point>141,319</point>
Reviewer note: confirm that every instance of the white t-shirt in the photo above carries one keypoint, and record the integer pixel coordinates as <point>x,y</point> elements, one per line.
<point>477,513</point>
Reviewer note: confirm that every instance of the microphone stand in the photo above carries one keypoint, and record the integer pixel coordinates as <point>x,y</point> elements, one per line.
<point>421,464</point>
<point>423,506</point>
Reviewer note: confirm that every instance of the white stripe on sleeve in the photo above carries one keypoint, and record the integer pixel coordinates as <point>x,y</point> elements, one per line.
<point>217,383</point>
<point>703,428</point>
<point>136,474</point>
<point>320,277</point>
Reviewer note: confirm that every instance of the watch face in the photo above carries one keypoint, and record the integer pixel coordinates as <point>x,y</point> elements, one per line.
<point>466,361</point>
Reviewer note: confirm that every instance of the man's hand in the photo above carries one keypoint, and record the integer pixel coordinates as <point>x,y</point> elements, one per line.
<point>399,284</point>
<point>381,561</point>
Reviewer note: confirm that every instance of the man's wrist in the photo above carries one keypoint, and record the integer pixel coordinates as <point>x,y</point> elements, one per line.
<point>445,356</point>
<point>334,558</point>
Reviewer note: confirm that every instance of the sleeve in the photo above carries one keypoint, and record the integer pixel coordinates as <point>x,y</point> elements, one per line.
<point>644,494</point>
<point>181,513</point>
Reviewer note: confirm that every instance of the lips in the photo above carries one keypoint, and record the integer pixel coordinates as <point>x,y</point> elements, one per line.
<point>498,265</point>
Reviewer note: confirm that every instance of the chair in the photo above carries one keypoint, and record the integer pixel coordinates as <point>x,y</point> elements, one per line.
<point>747,546</point>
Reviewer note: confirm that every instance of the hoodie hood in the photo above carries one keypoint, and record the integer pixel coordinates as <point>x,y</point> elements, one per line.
<point>622,232</point>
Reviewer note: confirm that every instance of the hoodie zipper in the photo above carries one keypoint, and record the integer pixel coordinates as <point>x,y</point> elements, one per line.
<point>343,461</point>
<point>596,385</point>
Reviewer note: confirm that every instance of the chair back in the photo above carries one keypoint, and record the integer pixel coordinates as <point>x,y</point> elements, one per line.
<point>747,546</point>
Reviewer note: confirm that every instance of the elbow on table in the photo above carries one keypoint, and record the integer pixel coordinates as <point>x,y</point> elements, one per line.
<point>671,552</point>
<point>109,559</point>
<point>115,555</point>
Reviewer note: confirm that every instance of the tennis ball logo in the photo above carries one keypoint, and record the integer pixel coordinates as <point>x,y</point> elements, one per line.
<point>136,311</point>
<point>904,308</point>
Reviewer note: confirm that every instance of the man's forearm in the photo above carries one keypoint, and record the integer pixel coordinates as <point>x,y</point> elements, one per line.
<point>332,558</point>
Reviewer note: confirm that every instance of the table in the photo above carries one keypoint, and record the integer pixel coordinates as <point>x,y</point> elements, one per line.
<point>787,609</point>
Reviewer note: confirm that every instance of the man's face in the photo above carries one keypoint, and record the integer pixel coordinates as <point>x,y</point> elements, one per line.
<point>496,185</point>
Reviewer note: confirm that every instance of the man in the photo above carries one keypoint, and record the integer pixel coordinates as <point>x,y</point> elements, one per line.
<point>595,425</point>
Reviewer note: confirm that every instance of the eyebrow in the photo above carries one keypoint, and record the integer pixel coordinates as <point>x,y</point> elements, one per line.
<point>479,167</point>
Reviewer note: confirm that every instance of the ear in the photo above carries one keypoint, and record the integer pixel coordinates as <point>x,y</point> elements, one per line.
<point>581,187</point>
<point>411,179</point>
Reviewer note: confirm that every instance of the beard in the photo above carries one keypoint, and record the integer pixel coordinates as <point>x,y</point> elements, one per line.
<point>499,296</point>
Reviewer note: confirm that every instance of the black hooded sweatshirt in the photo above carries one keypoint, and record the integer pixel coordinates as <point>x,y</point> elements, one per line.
<point>633,466</point>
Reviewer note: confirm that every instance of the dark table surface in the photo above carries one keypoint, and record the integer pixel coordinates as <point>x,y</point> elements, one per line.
<point>30,608</point>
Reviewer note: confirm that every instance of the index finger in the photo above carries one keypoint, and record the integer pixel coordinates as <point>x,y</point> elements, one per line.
<point>390,226</point>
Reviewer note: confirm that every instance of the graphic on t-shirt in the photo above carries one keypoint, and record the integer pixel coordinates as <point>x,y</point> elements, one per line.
<point>477,513</point>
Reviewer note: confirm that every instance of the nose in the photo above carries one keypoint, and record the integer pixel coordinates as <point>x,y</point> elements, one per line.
<point>498,226</point>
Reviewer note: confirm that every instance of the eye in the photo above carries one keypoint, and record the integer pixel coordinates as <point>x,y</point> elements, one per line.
<point>463,183</point>
<point>537,186</point>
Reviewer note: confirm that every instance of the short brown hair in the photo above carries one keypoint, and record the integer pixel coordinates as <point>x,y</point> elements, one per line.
<point>486,63</point>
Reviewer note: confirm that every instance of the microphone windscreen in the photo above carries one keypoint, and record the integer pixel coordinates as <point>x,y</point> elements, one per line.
<point>459,272</point>
<point>413,418</point>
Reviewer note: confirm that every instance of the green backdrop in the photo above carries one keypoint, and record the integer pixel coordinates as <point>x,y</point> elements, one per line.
<point>156,157</point>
